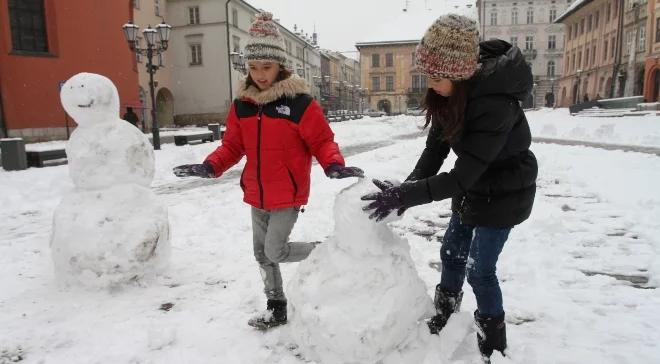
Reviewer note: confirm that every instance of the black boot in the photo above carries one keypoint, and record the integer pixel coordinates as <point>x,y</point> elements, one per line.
<point>491,334</point>
<point>446,303</point>
<point>275,315</point>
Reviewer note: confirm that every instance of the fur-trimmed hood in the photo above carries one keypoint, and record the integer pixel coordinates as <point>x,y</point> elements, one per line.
<point>289,88</point>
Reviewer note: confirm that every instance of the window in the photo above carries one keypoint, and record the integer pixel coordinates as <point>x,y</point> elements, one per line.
<point>657,30</point>
<point>589,21</point>
<point>579,60</point>
<point>193,15</point>
<point>514,41</point>
<point>605,50</point>
<point>596,19</point>
<point>573,61</point>
<point>581,26</point>
<point>608,9</point>
<point>551,68</point>
<point>136,4</point>
<point>237,44</point>
<point>375,83</point>
<point>138,56</point>
<point>566,68</point>
<point>375,60</point>
<point>28,26</point>
<point>234,17</point>
<point>412,58</point>
<point>287,45</point>
<point>553,15</point>
<point>157,7</point>
<point>389,83</point>
<point>514,16</point>
<point>586,58</point>
<point>493,18</point>
<point>195,54</point>
<point>629,39</point>
<point>552,42</point>
<point>612,45</point>
<point>161,59</point>
<point>641,42</point>
<point>593,55</point>
<point>530,16</point>
<point>299,52</point>
<point>389,60</point>
<point>529,42</point>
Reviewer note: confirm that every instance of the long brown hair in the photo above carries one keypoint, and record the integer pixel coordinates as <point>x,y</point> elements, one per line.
<point>282,75</point>
<point>448,113</point>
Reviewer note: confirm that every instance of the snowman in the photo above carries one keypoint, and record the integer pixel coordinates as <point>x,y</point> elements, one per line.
<point>110,229</point>
<point>358,297</point>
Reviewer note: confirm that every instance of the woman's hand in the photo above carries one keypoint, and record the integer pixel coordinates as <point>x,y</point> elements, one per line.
<point>384,202</point>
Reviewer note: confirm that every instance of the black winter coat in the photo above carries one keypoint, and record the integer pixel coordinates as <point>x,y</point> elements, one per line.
<point>493,181</point>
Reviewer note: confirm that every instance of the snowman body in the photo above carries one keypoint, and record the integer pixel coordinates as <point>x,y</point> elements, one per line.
<point>110,229</point>
<point>358,298</point>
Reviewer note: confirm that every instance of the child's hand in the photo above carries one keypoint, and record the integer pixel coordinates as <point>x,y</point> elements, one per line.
<point>339,171</point>
<point>194,170</point>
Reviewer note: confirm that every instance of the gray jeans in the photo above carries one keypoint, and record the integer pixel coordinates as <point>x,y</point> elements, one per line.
<point>270,238</point>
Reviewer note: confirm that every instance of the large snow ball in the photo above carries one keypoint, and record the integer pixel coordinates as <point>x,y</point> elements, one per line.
<point>358,297</point>
<point>90,98</point>
<point>108,237</point>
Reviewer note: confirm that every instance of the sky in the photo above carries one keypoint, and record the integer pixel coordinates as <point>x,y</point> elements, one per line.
<point>342,23</point>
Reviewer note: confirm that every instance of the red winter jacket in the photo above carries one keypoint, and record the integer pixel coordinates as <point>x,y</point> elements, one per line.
<point>279,130</point>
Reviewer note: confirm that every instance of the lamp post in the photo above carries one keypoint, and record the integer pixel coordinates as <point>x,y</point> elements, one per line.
<point>238,62</point>
<point>552,92</point>
<point>577,90</point>
<point>157,42</point>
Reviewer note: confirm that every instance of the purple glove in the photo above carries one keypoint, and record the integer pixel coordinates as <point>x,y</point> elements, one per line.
<point>339,171</point>
<point>203,170</point>
<point>385,201</point>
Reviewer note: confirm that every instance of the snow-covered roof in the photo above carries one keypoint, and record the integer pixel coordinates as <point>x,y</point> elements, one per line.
<point>575,6</point>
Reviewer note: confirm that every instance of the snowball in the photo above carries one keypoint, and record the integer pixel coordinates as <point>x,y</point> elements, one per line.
<point>358,298</point>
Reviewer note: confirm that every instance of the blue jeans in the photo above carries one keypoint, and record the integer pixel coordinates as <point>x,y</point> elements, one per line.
<point>473,250</point>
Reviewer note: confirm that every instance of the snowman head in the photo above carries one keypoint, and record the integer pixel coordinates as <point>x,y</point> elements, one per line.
<point>90,99</point>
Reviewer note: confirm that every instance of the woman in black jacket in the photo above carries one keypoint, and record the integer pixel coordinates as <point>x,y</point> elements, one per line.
<point>473,107</point>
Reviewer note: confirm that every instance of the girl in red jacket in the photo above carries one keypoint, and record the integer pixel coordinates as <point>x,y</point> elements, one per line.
<point>279,127</point>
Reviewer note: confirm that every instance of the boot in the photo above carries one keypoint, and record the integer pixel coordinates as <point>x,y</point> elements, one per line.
<point>446,303</point>
<point>491,334</point>
<point>275,315</point>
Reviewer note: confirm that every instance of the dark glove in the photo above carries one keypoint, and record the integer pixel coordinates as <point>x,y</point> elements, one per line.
<point>400,198</point>
<point>203,170</point>
<point>339,171</point>
<point>385,201</point>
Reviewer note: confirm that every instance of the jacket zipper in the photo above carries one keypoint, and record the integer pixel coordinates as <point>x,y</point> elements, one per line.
<point>261,187</point>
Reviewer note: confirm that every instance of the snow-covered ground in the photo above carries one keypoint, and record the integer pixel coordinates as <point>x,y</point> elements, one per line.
<point>579,278</point>
<point>626,130</point>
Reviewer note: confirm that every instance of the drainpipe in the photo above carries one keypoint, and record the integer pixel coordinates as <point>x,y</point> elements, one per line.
<point>231,88</point>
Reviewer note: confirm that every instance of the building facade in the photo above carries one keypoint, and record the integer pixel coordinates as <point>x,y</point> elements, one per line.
<point>652,64</point>
<point>389,75</point>
<point>204,33</point>
<point>37,56</point>
<point>606,49</point>
<point>529,25</point>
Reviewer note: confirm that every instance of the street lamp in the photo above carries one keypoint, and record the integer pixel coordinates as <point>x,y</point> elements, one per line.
<point>157,42</point>
<point>238,62</point>
<point>578,73</point>
<point>552,91</point>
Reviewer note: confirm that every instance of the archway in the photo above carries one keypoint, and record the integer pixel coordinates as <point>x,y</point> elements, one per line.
<point>385,105</point>
<point>574,94</point>
<point>563,96</point>
<point>164,107</point>
<point>608,87</point>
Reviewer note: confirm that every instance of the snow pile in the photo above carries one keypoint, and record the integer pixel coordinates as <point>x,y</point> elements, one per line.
<point>110,229</point>
<point>358,297</point>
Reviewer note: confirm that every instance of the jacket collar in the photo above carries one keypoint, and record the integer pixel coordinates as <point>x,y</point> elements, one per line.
<point>289,88</point>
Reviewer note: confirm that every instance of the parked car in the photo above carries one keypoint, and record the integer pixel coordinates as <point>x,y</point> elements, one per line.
<point>374,113</point>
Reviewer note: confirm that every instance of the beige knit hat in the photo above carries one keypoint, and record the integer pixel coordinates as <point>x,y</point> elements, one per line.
<point>450,48</point>
<point>265,42</point>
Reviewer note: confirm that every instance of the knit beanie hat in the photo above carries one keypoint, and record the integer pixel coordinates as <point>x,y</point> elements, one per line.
<point>449,49</point>
<point>265,42</point>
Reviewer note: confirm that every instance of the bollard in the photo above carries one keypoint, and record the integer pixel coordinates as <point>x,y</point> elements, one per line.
<point>14,157</point>
<point>215,128</point>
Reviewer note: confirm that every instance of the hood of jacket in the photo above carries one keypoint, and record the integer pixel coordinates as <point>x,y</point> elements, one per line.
<point>288,88</point>
<point>504,70</point>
